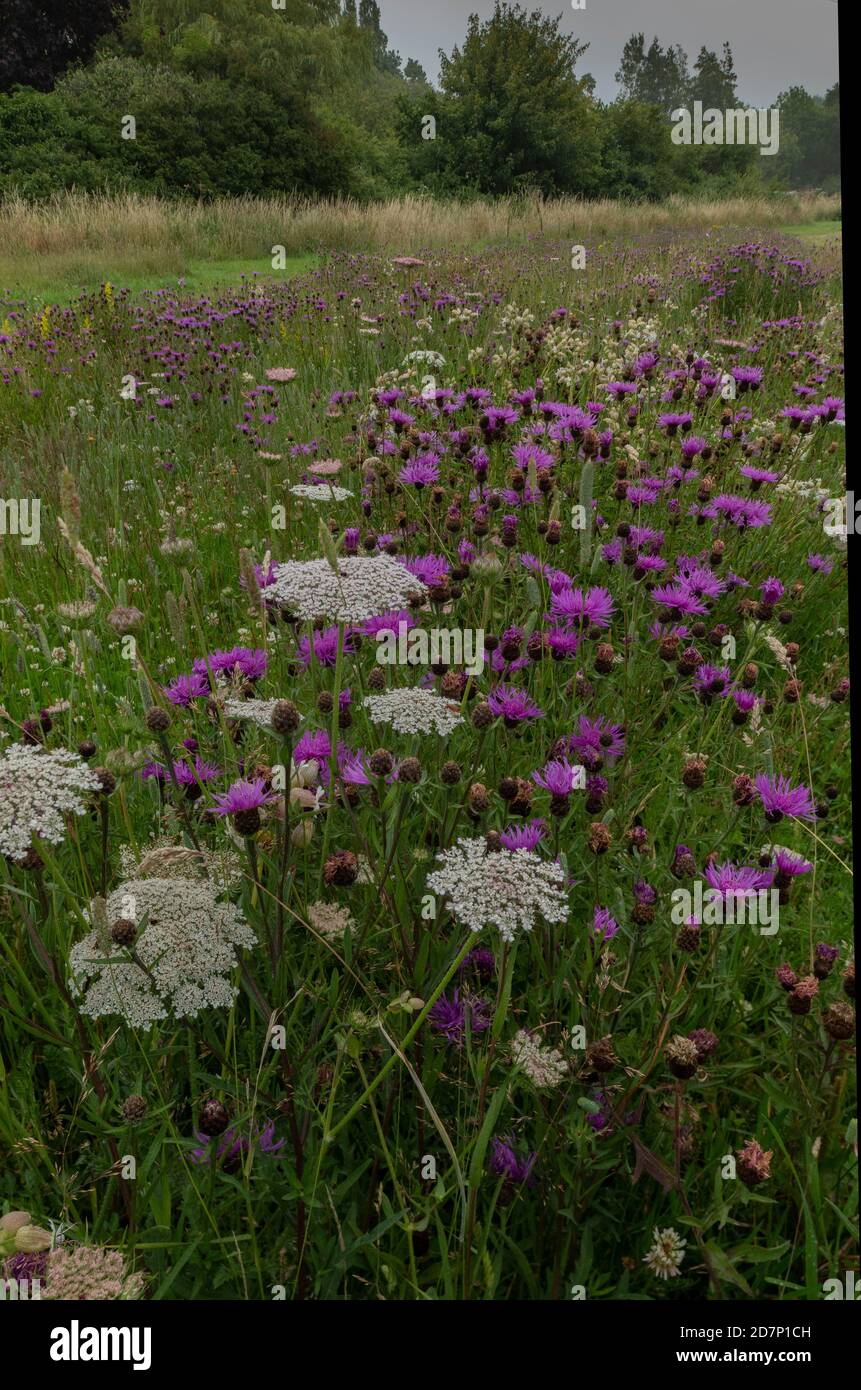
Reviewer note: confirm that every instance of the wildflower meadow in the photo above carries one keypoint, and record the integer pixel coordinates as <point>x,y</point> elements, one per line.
<point>425,823</point>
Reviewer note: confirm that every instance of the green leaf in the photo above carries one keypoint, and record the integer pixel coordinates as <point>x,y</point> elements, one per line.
<point>725,1270</point>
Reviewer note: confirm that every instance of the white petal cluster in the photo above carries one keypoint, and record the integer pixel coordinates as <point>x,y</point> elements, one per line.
<point>321,492</point>
<point>37,789</point>
<point>331,920</point>
<point>364,586</point>
<point>426,357</point>
<point>666,1255</point>
<point>164,858</point>
<point>508,889</point>
<point>258,712</point>
<point>185,951</point>
<point>544,1066</point>
<point>412,710</point>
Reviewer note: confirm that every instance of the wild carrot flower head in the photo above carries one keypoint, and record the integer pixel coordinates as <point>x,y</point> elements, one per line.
<point>411,710</point>
<point>88,1272</point>
<point>362,587</point>
<point>507,889</point>
<point>544,1067</point>
<point>184,953</point>
<point>38,789</point>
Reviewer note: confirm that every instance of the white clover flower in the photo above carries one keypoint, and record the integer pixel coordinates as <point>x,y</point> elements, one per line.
<point>363,587</point>
<point>412,710</point>
<point>545,1067</point>
<point>666,1255</point>
<point>37,789</point>
<point>180,961</point>
<point>508,889</point>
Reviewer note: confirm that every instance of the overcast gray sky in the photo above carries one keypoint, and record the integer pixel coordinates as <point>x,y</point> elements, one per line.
<point>776,43</point>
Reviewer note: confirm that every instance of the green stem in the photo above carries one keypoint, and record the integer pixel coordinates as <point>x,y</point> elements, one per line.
<point>387,1066</point>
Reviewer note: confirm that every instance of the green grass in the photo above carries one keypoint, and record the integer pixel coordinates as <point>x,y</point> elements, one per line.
<point>58,279</point>
<point>814,231</point>
<point>161,497</point>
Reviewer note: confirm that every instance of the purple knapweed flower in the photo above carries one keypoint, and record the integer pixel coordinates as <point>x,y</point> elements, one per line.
<point>513,705</point>
<point>452,1016</point>
<point>604,925</point>
<point>779,798</point>
<point>732,879</point>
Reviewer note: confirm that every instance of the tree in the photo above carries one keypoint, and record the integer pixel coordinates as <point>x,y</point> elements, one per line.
<point>657,77</point>
<point>809,155</point>
<point>714,80</point>
<point>197,137</point>
<point>638,160</point>
<point>41,40</point>
<point>511,113</point>
<point>369,20</point>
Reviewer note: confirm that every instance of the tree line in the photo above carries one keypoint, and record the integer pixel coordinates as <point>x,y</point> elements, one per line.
<point>268,96</point>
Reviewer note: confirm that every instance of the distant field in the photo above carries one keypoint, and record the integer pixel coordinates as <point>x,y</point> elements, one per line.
<point>139,243</point>
<point>815,231</point>
<point>54,278</point>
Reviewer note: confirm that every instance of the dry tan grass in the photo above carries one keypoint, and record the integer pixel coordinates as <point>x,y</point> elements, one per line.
<point>75,223</point>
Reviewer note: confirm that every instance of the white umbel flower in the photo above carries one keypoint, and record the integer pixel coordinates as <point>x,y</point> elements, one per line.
<point>37,789</point>
<point>184,953</point>
<point>545,1067</point>
<point>425,357</point>
<point>164,858</point>
<point>666,1255</point>
<point>411,710</point>
<point>364,586</point>
<point>330,919</point>
<point>508,889</point>
<point>257,712</point>
<point>321,492</point>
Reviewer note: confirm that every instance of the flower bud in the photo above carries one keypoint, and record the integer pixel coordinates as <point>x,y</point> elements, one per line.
<point>12,1222</point>
<point>30,1239</point>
